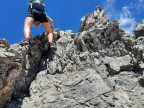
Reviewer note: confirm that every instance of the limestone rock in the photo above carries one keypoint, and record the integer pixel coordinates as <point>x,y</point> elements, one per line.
<point>4,43</point>
<point>101,66</point>
<point>99,17</point>
<point>142,21</point>
<point>139,31</point>
<point>119,64</point>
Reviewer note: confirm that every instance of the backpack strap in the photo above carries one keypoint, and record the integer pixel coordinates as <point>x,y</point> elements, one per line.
<point>39,5</point>
<point>36,4</point>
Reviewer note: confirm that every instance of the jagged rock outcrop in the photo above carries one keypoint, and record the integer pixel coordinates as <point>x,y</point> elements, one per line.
<point>19,64</point>
<point>139,31</point>
<point>100,66</point>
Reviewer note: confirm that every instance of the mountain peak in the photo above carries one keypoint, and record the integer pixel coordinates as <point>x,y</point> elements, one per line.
<point>90,20</point>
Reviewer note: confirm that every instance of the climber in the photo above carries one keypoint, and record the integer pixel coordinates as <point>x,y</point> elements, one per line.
<point>36,15</point>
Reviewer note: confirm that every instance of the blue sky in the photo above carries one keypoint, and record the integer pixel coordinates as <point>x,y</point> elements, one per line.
<point>67,14</point>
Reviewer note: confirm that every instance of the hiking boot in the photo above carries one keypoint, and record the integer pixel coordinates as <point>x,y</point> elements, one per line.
<point>52,47</point>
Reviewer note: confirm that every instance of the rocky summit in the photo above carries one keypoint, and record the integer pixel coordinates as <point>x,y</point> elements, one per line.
<point>101,66</point>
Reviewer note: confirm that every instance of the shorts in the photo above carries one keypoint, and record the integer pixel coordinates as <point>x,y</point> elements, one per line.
<point>37,15</point>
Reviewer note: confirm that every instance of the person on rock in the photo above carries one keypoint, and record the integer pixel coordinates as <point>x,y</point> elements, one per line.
<point>36,15</point>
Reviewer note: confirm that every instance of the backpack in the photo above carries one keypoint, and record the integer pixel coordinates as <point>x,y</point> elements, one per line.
<point>36,4</point>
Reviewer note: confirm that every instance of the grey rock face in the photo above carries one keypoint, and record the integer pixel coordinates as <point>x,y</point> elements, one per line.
<point>101,66</point>
<point>139,31</point>
<point>99,18</point>
<point>19,64</point>
<point>4,43</point>
<point>119,64</point>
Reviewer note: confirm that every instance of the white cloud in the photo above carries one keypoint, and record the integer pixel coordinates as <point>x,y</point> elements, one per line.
<point>109,4</point>
<point>126,12</point>
<point>109,7</point>
<point>127,22</point>
<point>139,5</point>
<point>126,16</point>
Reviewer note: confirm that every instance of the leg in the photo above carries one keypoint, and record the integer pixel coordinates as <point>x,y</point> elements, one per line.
<point>48,31</point>
<point>27,26</point>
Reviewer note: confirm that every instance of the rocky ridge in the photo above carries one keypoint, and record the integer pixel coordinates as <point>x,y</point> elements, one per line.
<point>101,66</point>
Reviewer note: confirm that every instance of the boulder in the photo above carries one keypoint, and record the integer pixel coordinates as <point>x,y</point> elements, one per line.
<point>139,31</point>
